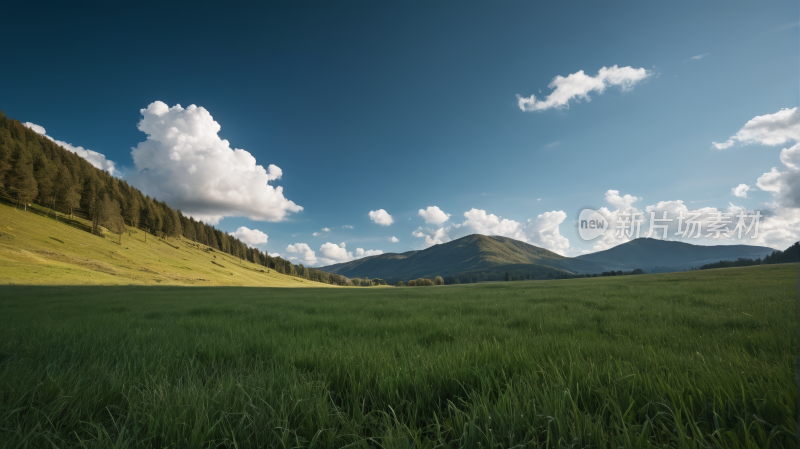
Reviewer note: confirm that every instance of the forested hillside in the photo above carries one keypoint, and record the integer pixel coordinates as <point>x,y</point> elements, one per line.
<point>36,169</point>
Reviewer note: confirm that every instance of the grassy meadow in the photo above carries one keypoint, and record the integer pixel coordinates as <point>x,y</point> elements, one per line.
<point>38,249</point>
<point>685,360</point>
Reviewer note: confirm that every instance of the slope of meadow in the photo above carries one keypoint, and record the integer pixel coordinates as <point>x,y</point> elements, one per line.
<point>40,250</point>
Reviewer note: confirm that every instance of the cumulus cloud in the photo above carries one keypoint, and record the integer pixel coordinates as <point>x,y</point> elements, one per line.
<point>332,253</point>
<point>347,227</point>
<point>778,227</point>
<point>185,163</point>
<point>740,190</point>
<point>360,252</point>
<point>620,202</point>
<point>394,239</point>
<point>251,237</point>
<point>433,215</point>
<point>306,254</point>
<point>770,129</point>
<point>93,157</point>
<point>435,236</point>
<point>490,224</point>
<point>36,128</point>
<point>781,225</point>
<point>699,57</point>
<point>326,230</point>
<point>315,234</point>
<point>381,217</point>
<point>579,85</point>
<point>545,232</point>
<point>784,184</point>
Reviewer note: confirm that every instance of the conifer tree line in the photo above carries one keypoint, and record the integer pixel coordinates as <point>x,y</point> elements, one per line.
<point>35,169</point>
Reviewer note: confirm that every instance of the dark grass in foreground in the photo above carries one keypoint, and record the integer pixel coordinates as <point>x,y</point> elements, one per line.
<point>697,359</point>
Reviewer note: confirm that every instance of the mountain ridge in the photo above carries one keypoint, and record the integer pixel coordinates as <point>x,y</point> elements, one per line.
<point>477,252</point>
<point>670,255</point>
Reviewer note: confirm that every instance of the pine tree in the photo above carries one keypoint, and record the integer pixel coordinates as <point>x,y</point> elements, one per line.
<point>66,193</point>
<point>133,212</point>
<point>112,217</point>
<point>24,184</point>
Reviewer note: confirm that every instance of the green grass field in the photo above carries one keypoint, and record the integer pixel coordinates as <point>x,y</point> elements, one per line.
<point>694,359</point>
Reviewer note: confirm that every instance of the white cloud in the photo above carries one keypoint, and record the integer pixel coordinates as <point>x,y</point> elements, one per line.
<point>489,224</point>
<point>251,237</point>
<point>185,163</point>
<point>545,232</point>
<point>578,86</point>
<point>315,234</point>
<point>332,253</point>
<point>306,254</point>
<point>699,57</point>
<point>360,252</point>
<point>381,217</point>
<point>779,226</point>
<point>36,128</point>
<point>435,236</point>
<point>784,184</point>
<point>93,157</point>
<point>394,239</point>
<point>770,129</point>
<point>326,230</point>
<point>433,215</point>
<point>347,227</point>
<point>620,202</point>
<point>275,254</point>
<point>740,190</point>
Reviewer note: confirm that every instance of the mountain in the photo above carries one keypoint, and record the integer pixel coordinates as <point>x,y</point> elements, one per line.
<point>661,256</point>
<point>479,253</point>
<point>468,254</point>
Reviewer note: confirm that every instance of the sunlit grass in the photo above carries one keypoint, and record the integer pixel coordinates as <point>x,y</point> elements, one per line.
<point>38,249</point>
<point>696,359</point>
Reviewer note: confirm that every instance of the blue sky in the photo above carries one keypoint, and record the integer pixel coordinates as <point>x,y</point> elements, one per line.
<point>401,106</point>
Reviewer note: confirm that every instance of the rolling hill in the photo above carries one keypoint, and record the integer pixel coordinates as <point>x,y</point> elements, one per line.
<point>468,254</point>
<point>40,250</point>
<point>662,256</point>
<point>479,253</point>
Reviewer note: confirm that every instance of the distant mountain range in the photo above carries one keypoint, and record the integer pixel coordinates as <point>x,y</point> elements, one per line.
<point>479,253</point>
<point>663,256</point>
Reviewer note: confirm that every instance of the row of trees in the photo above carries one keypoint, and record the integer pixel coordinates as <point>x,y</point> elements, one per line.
<point>790,255</point>
<point>36,169</point>
<point>367,282</point>
<point>422,282</point>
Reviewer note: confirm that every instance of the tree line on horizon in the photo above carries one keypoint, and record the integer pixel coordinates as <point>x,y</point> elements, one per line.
<point>33,168</point>
<point>790,255</point>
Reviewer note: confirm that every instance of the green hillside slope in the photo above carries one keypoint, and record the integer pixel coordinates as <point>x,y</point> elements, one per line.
<point>654,255</point>
<point>468,254</point>
<point>39,250</point>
